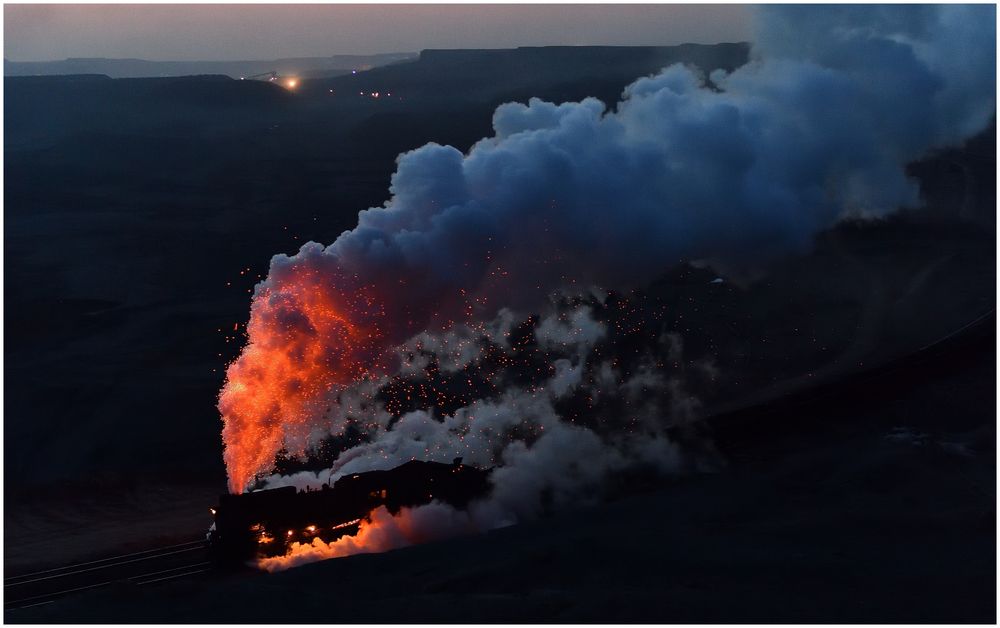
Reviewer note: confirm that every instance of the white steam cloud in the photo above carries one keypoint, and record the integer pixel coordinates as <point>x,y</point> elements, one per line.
<point>731,168</point>
<point>742,166</point>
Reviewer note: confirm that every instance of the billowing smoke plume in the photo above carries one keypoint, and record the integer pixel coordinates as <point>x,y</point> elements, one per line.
<point>565,409</point>
<point>732,169</point>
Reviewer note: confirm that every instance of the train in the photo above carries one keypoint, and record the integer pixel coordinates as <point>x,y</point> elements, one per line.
<point>265,523</point>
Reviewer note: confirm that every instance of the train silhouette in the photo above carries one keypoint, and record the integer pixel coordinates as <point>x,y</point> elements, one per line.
<point>265,523</point>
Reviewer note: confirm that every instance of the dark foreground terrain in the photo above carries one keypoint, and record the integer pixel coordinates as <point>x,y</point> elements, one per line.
<point>139,213</point>
<point>852,506</point>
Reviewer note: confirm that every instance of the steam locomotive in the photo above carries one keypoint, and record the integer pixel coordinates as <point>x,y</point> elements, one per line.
<point>265,523</point>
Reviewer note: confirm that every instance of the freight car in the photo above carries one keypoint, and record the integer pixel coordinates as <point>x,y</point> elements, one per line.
<point>265,523</point>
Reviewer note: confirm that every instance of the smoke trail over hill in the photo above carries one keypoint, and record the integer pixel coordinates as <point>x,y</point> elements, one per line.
<point>729,168</point>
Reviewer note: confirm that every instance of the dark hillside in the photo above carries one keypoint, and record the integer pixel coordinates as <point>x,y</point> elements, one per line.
<point>871,508</point>
<point>133,205</point>
<point>551,73</point>
<point>139,214</point>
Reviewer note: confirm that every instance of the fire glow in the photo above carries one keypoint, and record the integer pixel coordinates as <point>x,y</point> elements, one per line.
<point>306,339</point>
<point>380,532</point>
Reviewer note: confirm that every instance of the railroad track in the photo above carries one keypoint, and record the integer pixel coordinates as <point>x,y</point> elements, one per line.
<point>147,567</point>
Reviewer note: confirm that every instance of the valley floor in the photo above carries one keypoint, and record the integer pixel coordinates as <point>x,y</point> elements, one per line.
<point>885,514</point>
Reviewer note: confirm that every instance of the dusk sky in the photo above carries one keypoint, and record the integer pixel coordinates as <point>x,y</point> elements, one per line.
<point>236,32</point>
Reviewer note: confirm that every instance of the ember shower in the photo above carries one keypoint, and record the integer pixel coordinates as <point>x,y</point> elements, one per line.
<point>730,169</point>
